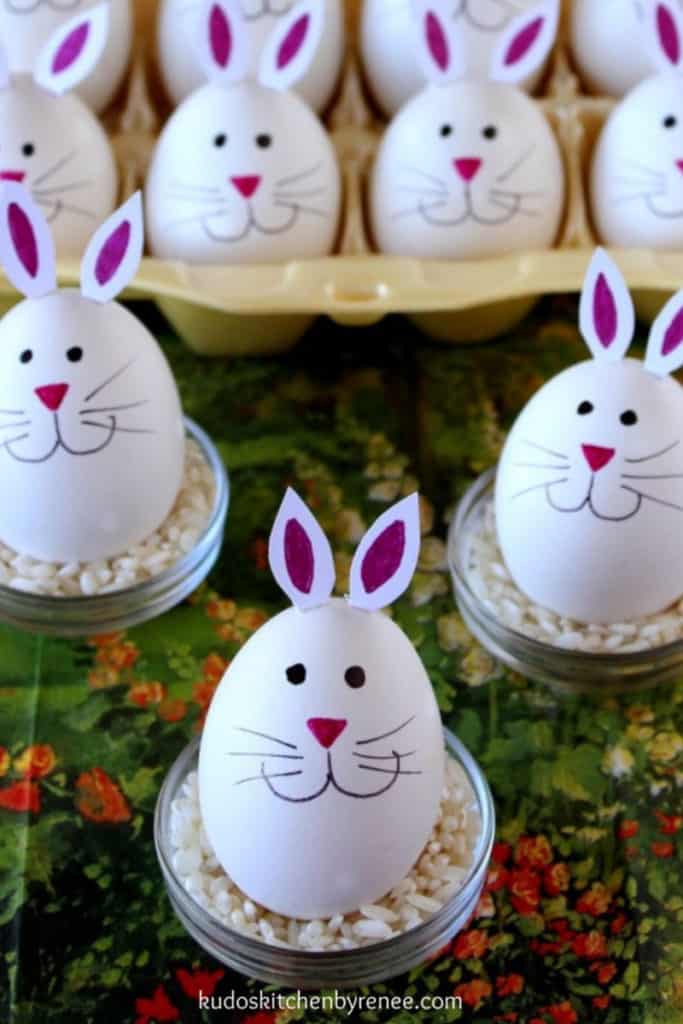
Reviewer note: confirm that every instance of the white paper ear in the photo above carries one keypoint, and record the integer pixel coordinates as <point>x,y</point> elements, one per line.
<point>665,345</point>
<point>27,250</point>
<point>300,555</point>
<point>72,52</point>
<point>524,46</point>
<point>386,558</point>
<point>113,255</point>
<point>664,33</point>
<point>439,45</point>
<point>292,45</point>
<point>607,319</point>
<point>223,42</point>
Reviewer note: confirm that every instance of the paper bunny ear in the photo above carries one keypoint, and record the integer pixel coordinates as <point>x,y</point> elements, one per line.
<point>292,45</point>
<point>27,250</point>
<point>300,555</point>
<point>665,345</point>
<point>439,45</point>
<point>223,41</point>
<point>607,319</point>
<point>72,52</point>
<point>113,255</point>
<point>386,558</point>
<point>525,44</point>
<point>664,33</point>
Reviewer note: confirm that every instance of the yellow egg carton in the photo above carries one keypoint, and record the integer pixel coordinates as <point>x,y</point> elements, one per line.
<point>252,310</point>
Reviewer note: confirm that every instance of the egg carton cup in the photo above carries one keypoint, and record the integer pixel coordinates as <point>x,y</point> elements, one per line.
<point>253,310</point>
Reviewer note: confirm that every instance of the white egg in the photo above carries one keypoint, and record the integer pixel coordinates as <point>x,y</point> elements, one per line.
<point>91,429</point>
<point>181,67</point>
<point>26,25</point>
<point>589,490</point>
<point>318,792</point>
<point>387,44</point>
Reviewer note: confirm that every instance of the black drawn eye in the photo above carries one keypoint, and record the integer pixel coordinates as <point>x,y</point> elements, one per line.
<point>220,140</point>
<point>670,121</point>
<point>296,674</point>
<point>28,149</point>
<point>26,356</point>
<point>446,130</point>
<point>585,408</point>
<point>355,677</point>
<point>75,354</point>
<point>629,418</point>
<point>263,141</point>
<point>490,131</point>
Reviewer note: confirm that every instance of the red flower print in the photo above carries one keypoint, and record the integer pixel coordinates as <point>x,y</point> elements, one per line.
<point>525,891</point>
<point>21,796</point>
<point>158,1009</point>
<point>496,878</point>
<point>99,798</point>
<point>214,668</point>
<point>601,1002</point>
<point>36,762</point>
<point>556,879</point>
<point>262,1017</point>
<point>203,693</point>
<point>590,945</point>
<point>507,1018</point>
<point>199,982</point>
<point>118,656</point>
<point>501,853</point>
<point>669,824</point>
<point>562,1013</point>
<point>546,948</point>
<point>533,852</point>
<point>560,926</point>
<point>630,852</point>
<point>603,972</point>
<point>509,985</point>
<point>619,922</point>
<point>172,709</point>
<point>662,849</point>
<point>470,945</point>
<point>146,693</point>
<point>473,993</point>
<point>595,901</point>
<point>628,829</point>
<point>258,549</point>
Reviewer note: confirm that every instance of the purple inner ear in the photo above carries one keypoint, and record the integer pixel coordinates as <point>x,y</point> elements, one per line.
<point>71,49</point>
<point>437,41</point>
<point>112,253</point>
<point>523,41</point>
<point>604,312</point>
<point>220,36</point>
<point>293,41</point>
<point>674,334</point>
<point>383,557</point>
<point>668,34</point>
<point>299,558</point>
<point>23,239</point>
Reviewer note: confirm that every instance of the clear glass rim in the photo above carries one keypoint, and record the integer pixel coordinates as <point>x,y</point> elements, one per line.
<point>353,964</point>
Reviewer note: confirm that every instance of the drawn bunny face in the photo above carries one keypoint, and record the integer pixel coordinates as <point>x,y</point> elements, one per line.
<point>637,168</point>
<point>182,68</point>
<point>594,462</point>
<point>469,169</point>
<point>388,44</point>
<point>324,740</point>
<point>51,143</point>
<point>91,432</point>
<point>26,26</point>
<point>244,171</point>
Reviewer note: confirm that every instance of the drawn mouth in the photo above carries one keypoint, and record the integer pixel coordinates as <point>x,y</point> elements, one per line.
<point>470,213</point>
<point>252,224</point>
<point>59,442</point>
<point>588,503</point>
<point>331,781</point>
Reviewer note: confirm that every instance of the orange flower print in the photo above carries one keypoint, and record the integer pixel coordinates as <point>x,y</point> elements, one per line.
<point>198,983</point>
<point>590,945</point>
<point>103,678</point>
<point>628,829</point>
<point>144,694</point>
<point>105,639</point>
<point>509,985</point>
<point>595,901</point>
<point>118,656</point>
<point>221,609</point>
<point>496,878</point>
<point>99,798</point>
<point>214,668</point>
<point>525,891</point>
<point>662,849</point>
<point>21,796</point>
<point>473,993</point>
<point>202,693</point>
<point>172,709</point>
<point>36,761</point>
<point>470,945</point>
<point>556,879</point>
<point>533,852</point>
<point>485,907</point>
<point>250,619</point>
<point>604,972</point>
<point>4,761</point>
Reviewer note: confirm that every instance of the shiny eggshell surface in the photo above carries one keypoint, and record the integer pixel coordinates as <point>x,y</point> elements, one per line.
<point>58,149</point>
<point>467,170</point>
<point>322,761</point>
<point>26,25</point>
<point>181,68</point>
<point>242,174</point>
<point>92,434</point>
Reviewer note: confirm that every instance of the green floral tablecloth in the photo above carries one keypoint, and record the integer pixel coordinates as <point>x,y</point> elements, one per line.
<point>582,916</point>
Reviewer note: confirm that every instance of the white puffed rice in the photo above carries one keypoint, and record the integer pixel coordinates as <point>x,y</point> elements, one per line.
<point>174,539</point>
<point>448,857</point>
<point>501,596</point>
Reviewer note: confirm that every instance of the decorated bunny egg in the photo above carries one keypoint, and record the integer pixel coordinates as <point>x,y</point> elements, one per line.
<point>91,429</point>
<point>182,69</point>
<point>637,168</point>
<point>52,143</point>
<point>469,169</point>
<point>322,759</point>
<point>26,26</point>
<point>387,41</point>
<point>589,491</point>
<point>243,171</point>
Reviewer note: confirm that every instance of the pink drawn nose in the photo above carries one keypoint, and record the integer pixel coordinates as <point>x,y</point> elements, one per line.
<point>17,176</point>
<point>52,395</point>
<point>596,457</point>
<point>326,730</point>
<point>679,165</point>
<point>468,167</point>
<point>246,184</point>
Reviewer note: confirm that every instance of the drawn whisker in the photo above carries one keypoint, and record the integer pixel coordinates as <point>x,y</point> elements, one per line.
<point>282,194</point>
<point>384,757</point>
<point>618,200</point>
<point>427,190</point>
<point>300,176</point>
<point>261,753</point>
<point>649,497</point>
<point>633,181</point>
<point>116,428</point>
<point>13,440</point>
<point>14,426</point>
<point>301,209</point>
<point>401,214</point>
<point>538,465</point>
<point>517,195</point>
<point>665,476</point>
<point>388,771</point>
<point>198,217</point>
<point>62,162</point>
<point>189,187</point>
<point>539,487</point>
<point>423,174</point>
<point>265,736</point>
<point>548,451</point>
<point>515,209</point>
<point>113,408</point>
<point>193,199</point>
<point>385,735</point>
<point>657,455</point>
<point>72,186</point>
<point>110,380</point>
<point>12,412</point>
<point>517,164</point>
<point>264,775</point>
<point>651,172</point>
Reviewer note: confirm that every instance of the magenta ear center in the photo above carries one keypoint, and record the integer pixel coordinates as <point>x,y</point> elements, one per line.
<point>436,41</point>
<point>668,34</point>
<point>523,41</point>
<point>112,253</point>
<point>220,37</point>
<point>383,557</point>
<point>71,49</point>
<point>293,41</point>
<point>604,312</point>
<point>299,558</point>
<point>23,239</point>
<point>674,334</point>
